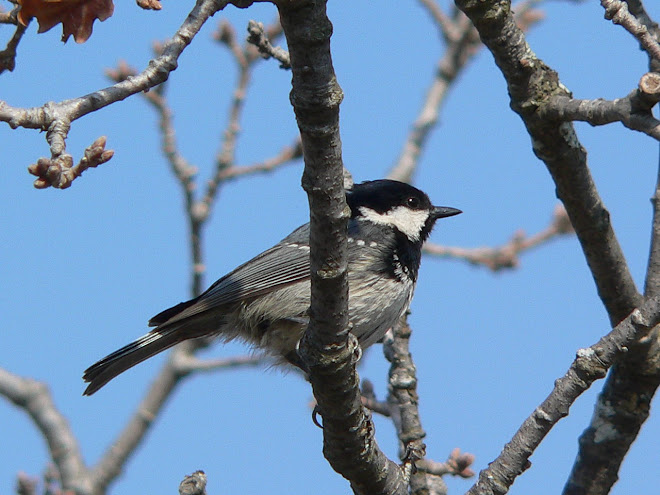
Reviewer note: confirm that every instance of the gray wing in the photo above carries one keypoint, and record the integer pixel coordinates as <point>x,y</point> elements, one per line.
<point>284,264</point>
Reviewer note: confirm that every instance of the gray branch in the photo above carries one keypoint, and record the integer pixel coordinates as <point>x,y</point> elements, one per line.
<point>34,398</point>
<point>328,349</point>
<point>589,365</point>
<point>56,118</point>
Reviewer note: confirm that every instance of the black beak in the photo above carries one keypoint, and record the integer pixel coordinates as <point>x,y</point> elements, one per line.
<point>445,211</point>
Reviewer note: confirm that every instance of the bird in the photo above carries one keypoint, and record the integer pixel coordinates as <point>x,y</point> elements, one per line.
<point>265,301</point>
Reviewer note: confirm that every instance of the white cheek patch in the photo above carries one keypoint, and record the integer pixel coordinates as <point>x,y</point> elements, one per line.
<point>409,222</point>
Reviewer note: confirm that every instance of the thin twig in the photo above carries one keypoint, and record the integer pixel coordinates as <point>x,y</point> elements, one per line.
<point>56,118</point>
<point>245,56</point>
<point>457,464</point>
<point>451,32</point>
<point>463,44</point>
<point>287,155</point>
<point>507,255</point>
<point>260,38</point>
<point>188,363</point>
<point>34,398</point>
<point>8,55</point>
<point>402,396</point>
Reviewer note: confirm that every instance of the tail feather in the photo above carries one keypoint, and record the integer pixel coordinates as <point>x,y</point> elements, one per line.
<point>128,356</point>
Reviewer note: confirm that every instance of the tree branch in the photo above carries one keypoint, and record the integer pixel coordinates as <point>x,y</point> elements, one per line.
<point>327,348</point>
<point>261,39</point>
<point>463,44</point>
<point>193,484</point>
<point>404,403</point>
<point>590,365</point>
<point>531,83</point>
<point>506,256</point>
<point>458,464</point>
<point>617,12</point>
<point>631,385</point>
<point>8,55</point>
<point>635,111</point>
<point>34,398</point>
<point>56,118</point>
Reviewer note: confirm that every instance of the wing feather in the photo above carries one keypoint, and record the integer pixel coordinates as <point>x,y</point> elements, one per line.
<point>284,264</point>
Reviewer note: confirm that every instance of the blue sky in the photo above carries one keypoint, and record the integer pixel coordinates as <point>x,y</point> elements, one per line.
<point>84,269</point>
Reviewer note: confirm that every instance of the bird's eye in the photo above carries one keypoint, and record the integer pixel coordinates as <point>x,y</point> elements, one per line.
<point>413,202</point>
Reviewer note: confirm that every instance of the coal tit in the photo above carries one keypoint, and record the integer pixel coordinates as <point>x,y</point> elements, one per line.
<point>265,301</point>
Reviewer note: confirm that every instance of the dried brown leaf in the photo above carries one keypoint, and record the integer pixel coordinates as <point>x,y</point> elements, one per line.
<point>150,4</point>
<point>77,16</point>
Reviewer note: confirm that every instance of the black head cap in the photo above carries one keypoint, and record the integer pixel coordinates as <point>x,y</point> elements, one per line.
<point>383,195</point>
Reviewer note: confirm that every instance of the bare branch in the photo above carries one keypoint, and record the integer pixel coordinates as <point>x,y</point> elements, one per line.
<point>531,82</point>
<point>287,155</point>
<point>181,362</point>
<point>636,8</point>
<point>245,56</point>
<point>506,256</point>
<point>258,37</point>
<point>589,365</point>
<point>10,17</point>
<point>617,12</point>
<point>371,402</point>
<point>402,396</point>
<point>188,363</point>
<point>451,32</point>
<point>404,409</point>
<point>34,398</point>
<point>652,282</point>
<point>463,44</point>
<point>458,464</point>
<point>56,118</point>
<point>8,55</point>
<point>26,485</point>
<point>635,111</point>
<point>117,454</point>
<point>632,382</point>
<point>328,349</point>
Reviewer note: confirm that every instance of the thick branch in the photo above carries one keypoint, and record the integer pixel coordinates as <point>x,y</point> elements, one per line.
<point>328,349</point>
<point>590,365</point>
<point>652,282</point>
<point>631,385</point>
<point>530,83</point>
